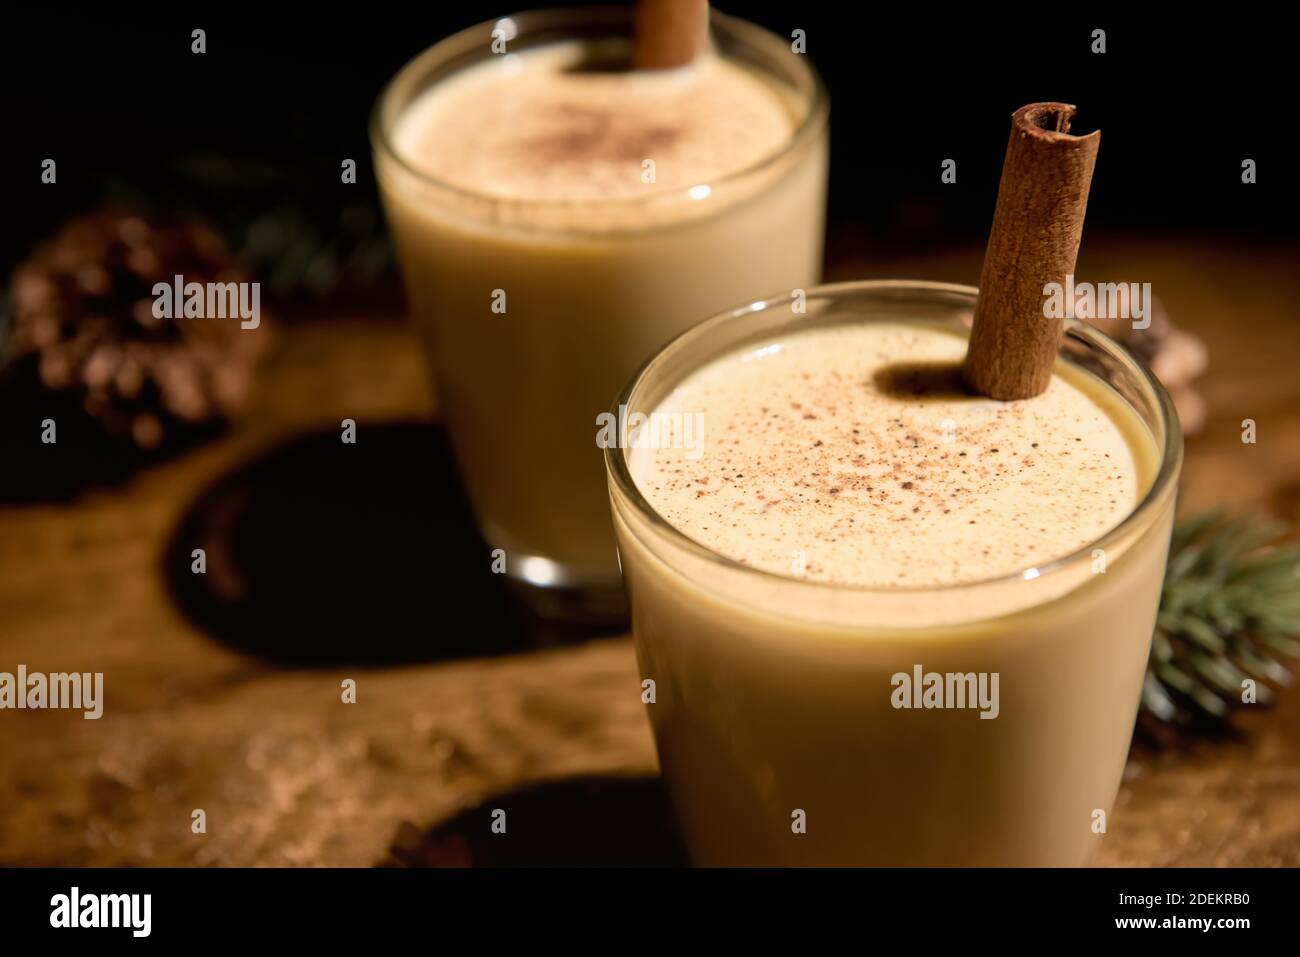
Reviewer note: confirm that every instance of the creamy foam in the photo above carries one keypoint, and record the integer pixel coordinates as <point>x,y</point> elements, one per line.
<point>537,125</point>
<point>849,454</point>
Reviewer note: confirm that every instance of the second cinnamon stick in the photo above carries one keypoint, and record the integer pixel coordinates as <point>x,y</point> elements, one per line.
<point>669,33</point>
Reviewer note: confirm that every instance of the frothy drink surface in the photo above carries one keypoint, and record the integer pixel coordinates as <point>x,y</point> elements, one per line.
<point>849,454</point>
<point>551,124</point>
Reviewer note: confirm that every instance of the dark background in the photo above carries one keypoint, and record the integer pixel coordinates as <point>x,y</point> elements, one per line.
<point>282,96</point>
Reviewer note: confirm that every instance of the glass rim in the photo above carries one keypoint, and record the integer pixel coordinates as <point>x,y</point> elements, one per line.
<point>553,17</point>
<point>1171,453</point>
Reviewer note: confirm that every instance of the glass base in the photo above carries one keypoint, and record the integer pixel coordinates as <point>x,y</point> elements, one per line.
<point>564,594</point>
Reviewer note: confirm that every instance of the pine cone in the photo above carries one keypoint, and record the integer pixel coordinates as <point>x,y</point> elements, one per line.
<point>82,312</point>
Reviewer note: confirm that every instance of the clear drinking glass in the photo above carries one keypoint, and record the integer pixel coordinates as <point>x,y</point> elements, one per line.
<point>772,691</point>
<point>594,287</point>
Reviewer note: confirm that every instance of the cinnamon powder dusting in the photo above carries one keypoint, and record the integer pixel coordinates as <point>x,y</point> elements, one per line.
<point>539,125</point>
<point>817,451</point>
<point>582,136</point>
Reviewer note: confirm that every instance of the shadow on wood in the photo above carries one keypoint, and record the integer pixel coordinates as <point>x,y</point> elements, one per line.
<point>576,822</point>
<point>370,557</point>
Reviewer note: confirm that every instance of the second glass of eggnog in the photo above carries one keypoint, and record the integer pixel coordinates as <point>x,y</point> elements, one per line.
<point>880,621</point>
<point>559,216</point>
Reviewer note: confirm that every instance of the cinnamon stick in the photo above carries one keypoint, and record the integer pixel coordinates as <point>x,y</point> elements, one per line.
<point>1034,241</point>
<point>669,33</point>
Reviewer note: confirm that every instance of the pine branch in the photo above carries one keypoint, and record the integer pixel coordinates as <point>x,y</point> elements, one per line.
<point>297,231</point>
<point>1229,611</point>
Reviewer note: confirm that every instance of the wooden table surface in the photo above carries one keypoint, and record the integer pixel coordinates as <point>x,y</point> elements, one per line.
<point>230,702</point>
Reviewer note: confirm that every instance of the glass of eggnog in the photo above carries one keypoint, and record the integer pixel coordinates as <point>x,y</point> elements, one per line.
<point>558,216</point>
<point>880,620</point>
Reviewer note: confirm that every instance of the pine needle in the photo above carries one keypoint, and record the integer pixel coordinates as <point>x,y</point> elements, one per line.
<point>1229,613</point>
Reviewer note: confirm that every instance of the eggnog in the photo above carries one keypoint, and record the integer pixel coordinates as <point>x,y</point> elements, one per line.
<point>558,216</point>
<point>888,622</point>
